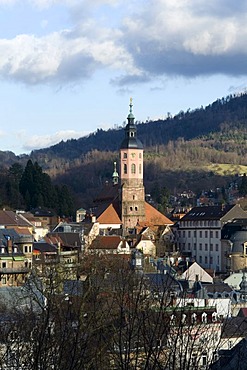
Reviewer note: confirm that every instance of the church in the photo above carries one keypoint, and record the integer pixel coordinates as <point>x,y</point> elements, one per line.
<point>121,207</point>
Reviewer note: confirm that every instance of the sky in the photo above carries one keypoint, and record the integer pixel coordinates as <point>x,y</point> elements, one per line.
<point>69,67</point>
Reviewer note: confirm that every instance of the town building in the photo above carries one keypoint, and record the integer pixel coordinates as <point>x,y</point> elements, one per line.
<point>198,234</point>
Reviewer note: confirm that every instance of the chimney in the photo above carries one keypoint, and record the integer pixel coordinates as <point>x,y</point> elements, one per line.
<point>93,219</point>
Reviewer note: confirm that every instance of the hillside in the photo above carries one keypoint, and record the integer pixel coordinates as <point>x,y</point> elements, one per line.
<point>196,150</point>
<point>187,125</point>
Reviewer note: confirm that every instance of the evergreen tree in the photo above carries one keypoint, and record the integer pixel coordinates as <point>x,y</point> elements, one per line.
<point>37,190</point>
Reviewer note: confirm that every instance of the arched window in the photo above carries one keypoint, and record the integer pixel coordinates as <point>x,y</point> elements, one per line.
<point>125,168</point>
<point>193,318</point>
<point>133,168</point>
<point>204,317</point>
<point>214,316</point>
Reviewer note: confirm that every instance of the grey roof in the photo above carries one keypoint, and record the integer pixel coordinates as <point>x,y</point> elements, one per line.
<point>218,287</point>
<point>131,141</point>
<point>238,238</point>
<point>233,359</point>
<point>26,296</point>
<point>207,213</point>
<point>163,282</point>
<point>234,327</point>
<point>44,247</point>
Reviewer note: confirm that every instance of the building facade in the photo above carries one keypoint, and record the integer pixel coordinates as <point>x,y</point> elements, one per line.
<point>198,234</point>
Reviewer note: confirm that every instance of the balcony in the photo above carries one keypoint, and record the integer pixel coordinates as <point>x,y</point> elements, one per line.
<point>14,270</point>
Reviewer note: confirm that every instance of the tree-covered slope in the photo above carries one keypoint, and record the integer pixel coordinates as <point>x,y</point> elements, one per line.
<point>188,125</point>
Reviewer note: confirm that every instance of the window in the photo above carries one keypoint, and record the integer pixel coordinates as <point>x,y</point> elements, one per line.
<point>133,168</point>
<point>206,233</point>
<point>211,247</point>
<point>183,233</point>
<point>211,234</point>
<point>25,249</point>
<point>214,316</point>
<point>206,246</point>
<point>200,259</point>
<point>189,246</point>
<point>216,247</point>
<point>200,246</point>
<point>135,208</point>
<point>204,317</point>
<point>3,280</point>
<point>211,260</point>
<point>193,318</point>
<point>194,246</point>
<point>194,233</point>
<point>216,233</point>
<point>131,208</point>
<point>140,155</point>
<point>204,360</point>
<point>189,234</point>
<point>30,249</point>
<point>206,259</point>
<point>125,155</point>
<point>200,233</point>
<point>125,169</point>
<point>140,169</point>
<point>4,265</point>
<point>134,197</point>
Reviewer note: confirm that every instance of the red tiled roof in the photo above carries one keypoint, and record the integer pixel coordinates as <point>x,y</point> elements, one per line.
<point>154,217</point>
<point>110,215</point>
<point>10,218</point>
<point>22,230</point>
<point>106,242</point>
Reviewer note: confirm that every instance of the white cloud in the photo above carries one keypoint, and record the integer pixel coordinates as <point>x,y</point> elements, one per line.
<point>188,37</point>
<point>164,37</point>
<point>39,141</point>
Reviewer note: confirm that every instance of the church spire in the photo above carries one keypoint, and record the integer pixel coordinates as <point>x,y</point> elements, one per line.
<point>115,174</point>
<point>131,116</point>
<point>131,140</point>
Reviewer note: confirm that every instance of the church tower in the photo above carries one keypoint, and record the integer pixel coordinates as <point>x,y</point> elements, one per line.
<point>131,175</point>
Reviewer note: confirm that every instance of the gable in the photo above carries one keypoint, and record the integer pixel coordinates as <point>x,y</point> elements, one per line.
<point>154,217</point>
<point>110,215</point>
<point>196,271</point>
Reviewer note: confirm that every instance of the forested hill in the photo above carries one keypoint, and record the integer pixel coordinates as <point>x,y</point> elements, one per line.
<point>229,111</point>
<point>194,150</point>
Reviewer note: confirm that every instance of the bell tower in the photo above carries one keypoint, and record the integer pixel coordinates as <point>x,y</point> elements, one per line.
<point>131,175</point>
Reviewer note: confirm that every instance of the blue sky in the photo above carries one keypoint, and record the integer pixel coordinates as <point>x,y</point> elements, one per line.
<point>68,67</point>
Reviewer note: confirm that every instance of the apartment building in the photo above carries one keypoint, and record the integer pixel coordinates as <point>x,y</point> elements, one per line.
<point>198,234</point>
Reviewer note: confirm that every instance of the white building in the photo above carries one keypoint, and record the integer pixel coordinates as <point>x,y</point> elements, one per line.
<point>198,234</point>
